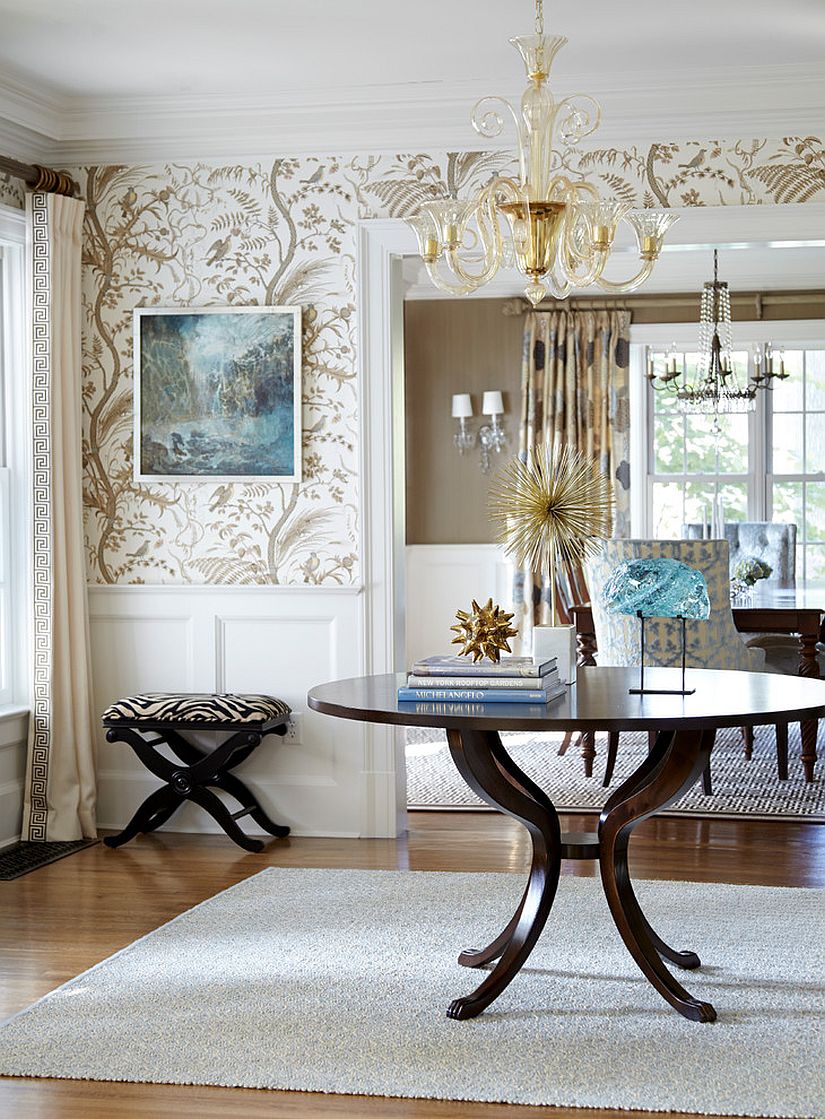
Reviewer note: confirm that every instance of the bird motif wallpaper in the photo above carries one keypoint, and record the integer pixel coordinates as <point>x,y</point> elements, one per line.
<point>282,231</point>
<point>12,192</point>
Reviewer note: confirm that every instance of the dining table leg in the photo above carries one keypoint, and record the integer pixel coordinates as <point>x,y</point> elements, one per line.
<point>808,666</point>
<point>673,766</point>
<point>484,764</point>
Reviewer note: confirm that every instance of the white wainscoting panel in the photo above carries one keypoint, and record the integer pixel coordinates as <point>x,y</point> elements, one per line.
<point>443,578</point>
<point>278,640</point>
<point>13,735</point>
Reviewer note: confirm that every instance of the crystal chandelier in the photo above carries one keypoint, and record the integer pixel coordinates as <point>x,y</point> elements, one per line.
<point>717,388</point>
<point>558,231</point>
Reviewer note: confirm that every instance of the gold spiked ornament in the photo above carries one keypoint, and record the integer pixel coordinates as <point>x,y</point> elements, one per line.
<point>552,509</point>
<point>483,632</point>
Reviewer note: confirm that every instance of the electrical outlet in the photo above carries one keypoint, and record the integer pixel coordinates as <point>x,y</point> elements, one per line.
<point>293,729</point>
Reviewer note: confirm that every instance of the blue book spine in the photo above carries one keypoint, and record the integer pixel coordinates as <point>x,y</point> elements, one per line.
<point>474,695</point>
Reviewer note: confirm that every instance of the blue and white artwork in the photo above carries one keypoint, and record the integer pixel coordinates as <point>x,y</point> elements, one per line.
<point>218,394</point>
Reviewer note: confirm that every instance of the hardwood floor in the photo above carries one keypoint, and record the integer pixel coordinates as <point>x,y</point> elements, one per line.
<point>65,917</point>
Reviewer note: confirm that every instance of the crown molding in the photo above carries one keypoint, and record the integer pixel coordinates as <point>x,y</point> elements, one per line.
<point>678,105</point>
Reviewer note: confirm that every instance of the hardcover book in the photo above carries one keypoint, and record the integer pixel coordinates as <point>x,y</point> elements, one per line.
<point>463,666</point>
<point>479,695</point>
<point>535,682</point>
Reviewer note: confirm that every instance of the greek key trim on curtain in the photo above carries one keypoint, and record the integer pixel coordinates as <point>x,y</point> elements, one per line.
<point>60,793</point>
<point>575,390</point>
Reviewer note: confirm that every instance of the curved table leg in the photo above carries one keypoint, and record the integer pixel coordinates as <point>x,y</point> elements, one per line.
<point>491,774</point>
<point>678,760</point>
<point>477,957</point>
<point>641,777</point>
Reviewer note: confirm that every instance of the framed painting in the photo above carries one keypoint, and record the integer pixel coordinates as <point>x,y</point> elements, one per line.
<point>217,394</point>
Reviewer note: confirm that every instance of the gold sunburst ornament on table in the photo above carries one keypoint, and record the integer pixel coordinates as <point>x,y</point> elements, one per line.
<point>552,509</point>
<point>483,632</point>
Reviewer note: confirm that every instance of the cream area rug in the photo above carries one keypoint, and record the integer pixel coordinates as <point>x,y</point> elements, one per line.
<point>740,787</point>
<point>337,981</point>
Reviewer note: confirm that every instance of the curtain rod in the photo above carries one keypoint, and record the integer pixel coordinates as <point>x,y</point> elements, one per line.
<point>518,306</point>
<point>40,178</point>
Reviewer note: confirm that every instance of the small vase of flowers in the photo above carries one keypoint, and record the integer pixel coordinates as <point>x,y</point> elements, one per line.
<point>746,574</point>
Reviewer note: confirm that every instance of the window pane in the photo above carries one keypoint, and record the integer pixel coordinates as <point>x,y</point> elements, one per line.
<point>815,378</point>
<point>668,445</point>
<point>815,511</point>
<point>786,396</point>
<point>787,444</point>
<point>734,499</point>
<point>698,499</point>
<point>733,444</point>
<point>701,445</point>
<point>815,442</point>
<point>787,504</point>
<point>667,510</point>
<point>814,562</point>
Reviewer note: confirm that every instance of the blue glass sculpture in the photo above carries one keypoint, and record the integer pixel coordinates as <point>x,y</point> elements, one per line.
<point>657,588</point>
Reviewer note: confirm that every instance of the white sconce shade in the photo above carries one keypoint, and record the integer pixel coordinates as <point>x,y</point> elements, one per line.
<point>492,404</point>
<point>462,406</point>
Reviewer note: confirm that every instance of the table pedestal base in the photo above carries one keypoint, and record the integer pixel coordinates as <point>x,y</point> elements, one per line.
<point>675,763</point>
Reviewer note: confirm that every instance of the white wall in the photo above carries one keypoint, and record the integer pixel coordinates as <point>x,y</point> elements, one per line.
<point>13,733</point>
<point>443,578</point>
<point>276,640</point>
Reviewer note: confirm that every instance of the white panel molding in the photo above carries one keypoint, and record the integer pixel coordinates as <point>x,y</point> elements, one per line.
<point>441,578</point>
<point>744,101</point>
<point>13,743</point>
<point>381,246</point>
<point>282,640</point>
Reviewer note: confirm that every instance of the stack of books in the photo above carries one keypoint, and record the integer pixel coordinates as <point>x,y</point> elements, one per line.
<point>458,680</point>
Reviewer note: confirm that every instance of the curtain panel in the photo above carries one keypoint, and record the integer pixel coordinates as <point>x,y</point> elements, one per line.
<point>60,792</point>
<point>574,390</point>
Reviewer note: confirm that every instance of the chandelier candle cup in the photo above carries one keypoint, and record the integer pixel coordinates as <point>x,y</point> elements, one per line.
<point>559,230</point>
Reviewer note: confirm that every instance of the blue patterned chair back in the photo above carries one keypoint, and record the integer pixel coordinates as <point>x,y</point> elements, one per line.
<point>714,643</point>
<point>775,543</point>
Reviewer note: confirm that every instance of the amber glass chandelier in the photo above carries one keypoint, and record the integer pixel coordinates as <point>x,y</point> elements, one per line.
<point>557,230</point>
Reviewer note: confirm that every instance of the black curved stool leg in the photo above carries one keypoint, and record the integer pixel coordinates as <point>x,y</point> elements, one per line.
<point>156,809</point>
<point>202,770</point>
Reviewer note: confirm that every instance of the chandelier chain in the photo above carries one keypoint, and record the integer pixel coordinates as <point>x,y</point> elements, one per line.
<point>539,17</point>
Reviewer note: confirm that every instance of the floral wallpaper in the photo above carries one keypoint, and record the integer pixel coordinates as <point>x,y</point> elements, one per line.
<point>283,232</point>
<point>12,191</point>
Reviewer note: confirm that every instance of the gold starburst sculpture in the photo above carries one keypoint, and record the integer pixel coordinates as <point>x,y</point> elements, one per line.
<point>552,509</point>
<point>483,632</point>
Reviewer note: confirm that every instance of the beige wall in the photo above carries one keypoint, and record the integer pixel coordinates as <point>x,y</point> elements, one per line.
<point>455,345</point>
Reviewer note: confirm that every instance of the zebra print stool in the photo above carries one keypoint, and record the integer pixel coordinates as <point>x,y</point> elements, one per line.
<point>167,717</point>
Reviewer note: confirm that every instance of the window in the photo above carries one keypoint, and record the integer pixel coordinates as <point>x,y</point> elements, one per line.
<point>768,464</point>
<point>694,458</point>
<point>796,480</point>
<point>14,471</point>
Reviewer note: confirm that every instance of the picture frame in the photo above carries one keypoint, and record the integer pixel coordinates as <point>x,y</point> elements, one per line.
<point>217,394</point>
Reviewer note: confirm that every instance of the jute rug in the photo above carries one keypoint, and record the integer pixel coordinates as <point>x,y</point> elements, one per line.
<point>337,981</point>
<point>740,787</point>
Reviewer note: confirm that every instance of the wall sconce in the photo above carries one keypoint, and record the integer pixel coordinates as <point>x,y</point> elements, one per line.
<point>464,438</point>
<point>492,436</point>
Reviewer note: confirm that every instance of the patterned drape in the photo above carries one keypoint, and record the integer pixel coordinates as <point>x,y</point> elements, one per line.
<point>574,389</point>
<point>59,802</point>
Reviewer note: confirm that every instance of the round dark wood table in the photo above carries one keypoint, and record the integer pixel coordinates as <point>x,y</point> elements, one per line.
<point>685,729</point>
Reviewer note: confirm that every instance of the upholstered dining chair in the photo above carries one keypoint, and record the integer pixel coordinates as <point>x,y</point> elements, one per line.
<point>775,543</point>
<point>771,541</point>
<point>714,643</point>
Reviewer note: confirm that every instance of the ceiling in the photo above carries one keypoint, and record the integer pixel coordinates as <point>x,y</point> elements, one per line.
<point>87,78</point>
